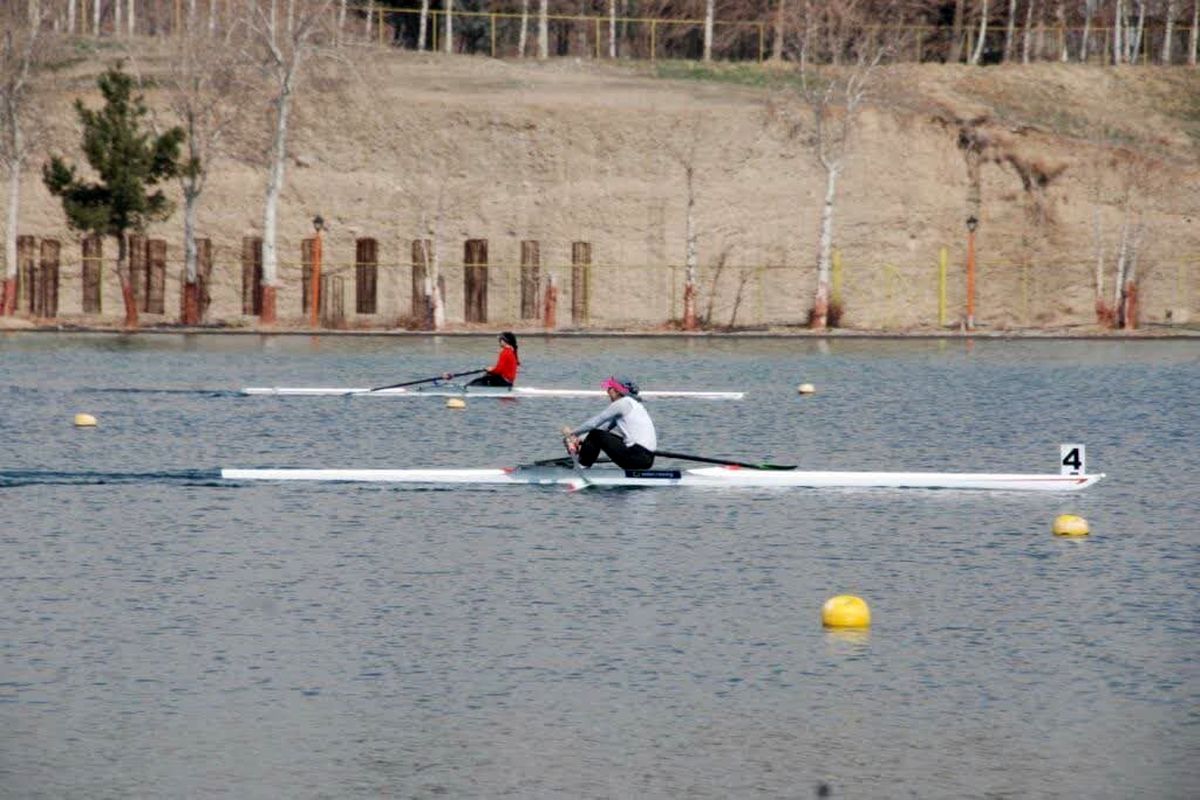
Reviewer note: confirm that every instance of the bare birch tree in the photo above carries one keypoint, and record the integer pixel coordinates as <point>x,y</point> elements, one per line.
<point>206,92</point>
<point>709,12</point>
<point>543,29</point>
<point>832,98</point>
<point>422,22</point>
<point>1168,31</point>
<point>1194,36</point>
<point>21,51</point>
<point>1089,9</point>
<point>285,50</point>
<point>1009,30</point>
<point>977,55</point>
<point>612,28</point>
<point>523,34</point>
<point>448,39</point>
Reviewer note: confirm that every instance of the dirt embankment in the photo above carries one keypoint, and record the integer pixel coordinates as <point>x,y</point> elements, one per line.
<point>400,146</point>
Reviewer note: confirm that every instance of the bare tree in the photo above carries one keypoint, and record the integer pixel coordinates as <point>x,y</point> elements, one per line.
<point>1010,30</point>
<point>682,149</point>
<point>285,49</point>
<point>205,91</point>
<point>832,98</point>
<point>1168,31</point>
<point>977,55</point>
<point>1134,180</point>
<point>422,22</point>
<point>709,12</point>
<point>1194,36</point>
<point>21,51</point>
<point>543,29</point>
<point>523,34</point>
<point>1089,9</point>
<point>956,32</point>
<point>612,28</point>
<point>448,39</point>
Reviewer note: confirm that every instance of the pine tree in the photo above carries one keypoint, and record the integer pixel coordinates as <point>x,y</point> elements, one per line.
<point>130,161</point>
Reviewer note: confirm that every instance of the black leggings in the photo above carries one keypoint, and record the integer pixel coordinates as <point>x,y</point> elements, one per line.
<point>624,456</point>
<point>490,379</point>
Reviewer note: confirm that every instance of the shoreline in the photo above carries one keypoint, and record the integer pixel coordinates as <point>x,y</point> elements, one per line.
<point>1157,333</point>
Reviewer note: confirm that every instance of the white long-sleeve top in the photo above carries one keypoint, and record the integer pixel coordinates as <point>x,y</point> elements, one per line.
<point>629,419</point>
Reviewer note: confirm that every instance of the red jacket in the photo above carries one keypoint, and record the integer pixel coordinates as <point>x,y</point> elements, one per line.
<point>506,365</point>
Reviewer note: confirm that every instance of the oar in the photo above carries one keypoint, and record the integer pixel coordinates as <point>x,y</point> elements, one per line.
<point>707,460</point>
<point>422,380</point>
<point>573,451</point>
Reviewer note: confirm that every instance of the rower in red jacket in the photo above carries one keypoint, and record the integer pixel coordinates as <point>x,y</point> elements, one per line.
<point>504,372</point>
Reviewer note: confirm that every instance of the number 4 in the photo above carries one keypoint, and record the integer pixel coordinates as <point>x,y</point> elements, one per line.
<point>1072,459</point>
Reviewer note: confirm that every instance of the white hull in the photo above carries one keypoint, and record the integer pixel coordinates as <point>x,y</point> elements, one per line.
<point>704,477</point>
<point>476,391</point>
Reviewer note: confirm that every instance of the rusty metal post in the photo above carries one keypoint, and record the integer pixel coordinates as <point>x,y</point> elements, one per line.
<point>972,224</point>
<point>315,281</point>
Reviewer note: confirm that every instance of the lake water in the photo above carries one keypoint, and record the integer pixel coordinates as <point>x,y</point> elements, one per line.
<point>163,634</point>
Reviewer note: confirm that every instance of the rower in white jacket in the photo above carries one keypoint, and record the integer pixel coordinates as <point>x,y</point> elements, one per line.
<point>623,431</point>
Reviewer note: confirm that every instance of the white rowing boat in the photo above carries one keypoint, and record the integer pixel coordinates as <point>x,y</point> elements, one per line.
<point>476,391</point>
<point>548,475</point>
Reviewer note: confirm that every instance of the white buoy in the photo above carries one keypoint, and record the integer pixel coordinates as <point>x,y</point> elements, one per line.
<point>85,421</point>
<point>806,388</point>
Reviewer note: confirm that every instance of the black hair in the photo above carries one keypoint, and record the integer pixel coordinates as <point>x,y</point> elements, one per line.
<point>511,339</point>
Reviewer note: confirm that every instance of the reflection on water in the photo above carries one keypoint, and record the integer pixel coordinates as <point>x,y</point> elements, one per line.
<point>173,636</point>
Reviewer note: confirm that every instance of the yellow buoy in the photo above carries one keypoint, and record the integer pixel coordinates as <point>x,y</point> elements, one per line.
<point>846,611</point>
<point>456,402</point>
<point>85,421</point>
<point>1070,525</point>
<point>806,388</point>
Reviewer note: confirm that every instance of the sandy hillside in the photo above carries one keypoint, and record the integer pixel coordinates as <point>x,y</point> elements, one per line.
<point>453,148</point>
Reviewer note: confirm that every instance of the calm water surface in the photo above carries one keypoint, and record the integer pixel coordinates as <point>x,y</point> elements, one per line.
<point>163,634</point>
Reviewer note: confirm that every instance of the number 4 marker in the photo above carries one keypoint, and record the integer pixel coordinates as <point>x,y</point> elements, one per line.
<point>1072,459</point>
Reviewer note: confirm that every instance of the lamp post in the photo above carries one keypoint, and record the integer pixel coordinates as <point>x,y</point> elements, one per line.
<point>315,310</point>
<point>972,224</point>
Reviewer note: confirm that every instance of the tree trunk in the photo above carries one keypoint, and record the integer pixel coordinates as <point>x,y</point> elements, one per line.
<point>270,257</point>
<point>709,11</point>
<point>524,32</point>
<point>123,267</point>
<point>1102,314</point>
<point>543,29</point>
<point>956,33</point>
<point>191,305</point>
<point>1194,37</point>
<point>71,17</point>
<point>1027,38</point>
<point>819,319</point>
<point>1168,32</point>
<point>1064,54</point>
<point>422,22</point>
<point>612,29</point>
<point>8,304</point>
<point>448,43</point>
<point>1010,31</point>
<point>1136,52</point>
<point>130,21</point>
<point>983,23</point>
<point>1087,32</point>
<point>95,17</point>
<point>689,282</point>
<point>1118,50</point>
<point>777,40</point>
